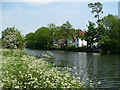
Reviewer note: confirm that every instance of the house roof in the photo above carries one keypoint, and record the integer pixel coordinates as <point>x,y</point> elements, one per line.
<point>80,32</point>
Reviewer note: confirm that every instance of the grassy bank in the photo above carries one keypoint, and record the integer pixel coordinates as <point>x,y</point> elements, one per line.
<point>21,70</point>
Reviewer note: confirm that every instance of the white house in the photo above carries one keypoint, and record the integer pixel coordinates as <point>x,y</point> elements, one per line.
<point>77,41</point>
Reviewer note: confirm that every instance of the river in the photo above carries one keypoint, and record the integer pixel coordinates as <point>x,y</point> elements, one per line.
<point>96,66</point>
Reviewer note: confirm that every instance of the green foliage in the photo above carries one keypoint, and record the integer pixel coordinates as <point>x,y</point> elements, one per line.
<point>96,8</point>
<point>44,37</point>
<point>112,25</point>
<point>53,29</point>
<point>102,35</point>
<point>30,40</point>
<point>65,32</point>
<point>55,48</point>
<point>11,38</point>
<point>69,48</point>
<point>40,39</point>
<point>97,35</point>
<point>90,35</point>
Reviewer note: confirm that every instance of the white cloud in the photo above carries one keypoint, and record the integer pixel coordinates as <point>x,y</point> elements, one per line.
<point>19,8</point>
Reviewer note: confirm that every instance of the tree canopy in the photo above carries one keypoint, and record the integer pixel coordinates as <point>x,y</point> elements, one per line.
<point>11,38</point>
<point>96,8</point>
<point>40,39</point>
<point>112,25</point>
<point>65,32</point>
<point>90,35</point>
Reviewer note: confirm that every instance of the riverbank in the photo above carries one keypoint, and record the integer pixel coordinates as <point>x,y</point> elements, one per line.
<point>81,49</point>
<point>21,70</point>
<point>71,49</point>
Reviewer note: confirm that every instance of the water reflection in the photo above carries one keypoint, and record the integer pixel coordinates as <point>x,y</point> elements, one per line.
<point>98,67</point>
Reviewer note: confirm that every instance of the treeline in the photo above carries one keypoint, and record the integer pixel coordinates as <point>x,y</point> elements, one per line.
<point>44,37</point>
<point>106,35</point>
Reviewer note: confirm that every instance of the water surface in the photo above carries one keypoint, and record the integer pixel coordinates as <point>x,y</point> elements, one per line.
<point>98,67</point>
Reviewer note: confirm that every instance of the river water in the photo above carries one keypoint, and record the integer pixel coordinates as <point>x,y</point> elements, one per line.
<point>98,67</point>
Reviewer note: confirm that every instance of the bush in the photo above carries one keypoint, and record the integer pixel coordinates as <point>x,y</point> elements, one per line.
<point>55,48</point>
<point>11,38</point>
<point>69,48</point>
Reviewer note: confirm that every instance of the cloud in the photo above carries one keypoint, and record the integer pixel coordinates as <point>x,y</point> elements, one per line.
<point>19,8</point>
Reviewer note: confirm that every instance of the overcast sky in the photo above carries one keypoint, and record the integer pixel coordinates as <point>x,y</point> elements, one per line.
<point>29,16</point>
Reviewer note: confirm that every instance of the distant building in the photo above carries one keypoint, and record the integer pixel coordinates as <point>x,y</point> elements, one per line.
<point>119,9</point>
<point>77,39</point>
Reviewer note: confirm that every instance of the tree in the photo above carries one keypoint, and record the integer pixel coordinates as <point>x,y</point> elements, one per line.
<point>102,37</point>
<point>96,8</point>
<point>40,39</point>
<point>30,40</point>
<point>43,37</point>
<point>11,38</point>
<point>90,35</point>
<point>52,27</point>
<point>66,32</point>
<point>112,25</point>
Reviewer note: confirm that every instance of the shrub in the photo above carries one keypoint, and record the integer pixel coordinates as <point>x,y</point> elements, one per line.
<point>69,48</point>
<point>11,38</point>
<point>55,48</point>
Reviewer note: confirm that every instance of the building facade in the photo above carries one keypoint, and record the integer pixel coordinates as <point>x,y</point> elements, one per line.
<point>77,41</point>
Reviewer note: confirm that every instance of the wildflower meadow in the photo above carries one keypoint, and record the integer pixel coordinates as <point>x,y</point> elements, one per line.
<point>20,70</point>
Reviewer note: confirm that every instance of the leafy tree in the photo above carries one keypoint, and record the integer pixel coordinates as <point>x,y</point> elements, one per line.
<point>96,8</point>
<point>40,39</point>
<point>43,36</point>
<point>102,36</point>
<point>90,35</point>
<point>52,27</point>
<point>112,24</point>
<point>30,40</point>
<point>65,32</point>
<point>11,38</point>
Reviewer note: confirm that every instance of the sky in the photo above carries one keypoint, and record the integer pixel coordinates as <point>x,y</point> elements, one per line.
<point>29,16</point>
